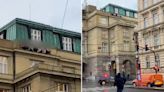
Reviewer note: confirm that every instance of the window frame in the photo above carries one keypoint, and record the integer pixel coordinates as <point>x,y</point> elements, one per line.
<point>1,35</point>
<point>155,17</point>
<point>26,88</point>
<point>36,35</point>
<point>126,46</point>
<point>145,4</point>
<point>145,22</point>
<point>147,62</point>
<point>127,13</point>
<point>156,40</point>
<point>4,64</point>
<point>67,43</point>
<point>63,87</point>
<point>116,10</point>
<point>104,47</point>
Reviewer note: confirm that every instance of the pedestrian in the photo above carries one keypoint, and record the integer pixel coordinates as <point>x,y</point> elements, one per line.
<point>119,82</point>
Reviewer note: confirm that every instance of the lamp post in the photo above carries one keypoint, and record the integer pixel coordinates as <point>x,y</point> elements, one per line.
<point>138,65</point>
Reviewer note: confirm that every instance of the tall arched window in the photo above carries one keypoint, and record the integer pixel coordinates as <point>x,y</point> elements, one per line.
<point>157,60</point>
<point>147,61</point>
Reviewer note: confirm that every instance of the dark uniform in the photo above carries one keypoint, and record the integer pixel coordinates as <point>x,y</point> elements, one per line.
<point>119,82</point>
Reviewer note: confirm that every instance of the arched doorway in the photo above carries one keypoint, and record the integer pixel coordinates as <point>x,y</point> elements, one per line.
<point>126,68</point>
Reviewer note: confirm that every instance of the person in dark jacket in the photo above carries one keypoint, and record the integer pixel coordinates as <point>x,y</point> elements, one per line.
<point>119,82</point>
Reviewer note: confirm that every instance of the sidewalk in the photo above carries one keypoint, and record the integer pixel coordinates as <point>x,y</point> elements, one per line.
<point>146,88</point>
<point>98,88</point>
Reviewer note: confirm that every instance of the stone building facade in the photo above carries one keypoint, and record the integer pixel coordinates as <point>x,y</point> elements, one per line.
<point>151,33</point>
<point>34,58</point>
<point>108,46</point>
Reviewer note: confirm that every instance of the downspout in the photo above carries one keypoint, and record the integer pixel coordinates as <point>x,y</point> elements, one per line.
<point>14,72</point>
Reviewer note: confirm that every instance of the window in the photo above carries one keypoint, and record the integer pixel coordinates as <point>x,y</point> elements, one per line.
<point>35,34</point>
<point>67,43</point>
<point>156,40</point>
<point>3,65</point>
<point>147,62</point>
<point>145,22</point>
<point>112,34</point>
<point>127,13</point>
<point>157,60</point>
<point>26,88</point>
<point>122,12</point>
<point>110,9</point>
<point>155,1</point>
<point>126,46</point>
<point>62,87</point>
<point>135,15</point>
<point>125,33</point>
<point>145,3</point>
<point>131,14</point>
<point>155,17</point>
<point>1,36</point>
<point>104,47</point>
<point>146,40</point>
<point>116,10</point>
<point>113,46</point>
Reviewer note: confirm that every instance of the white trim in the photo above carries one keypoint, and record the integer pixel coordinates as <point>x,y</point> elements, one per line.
<point>35,34</point>
<point>1,36</point>
<point>67,43</point>
<point>3,65</point>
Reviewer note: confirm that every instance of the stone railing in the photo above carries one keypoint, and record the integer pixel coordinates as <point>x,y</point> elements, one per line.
<point>6,76</point>
<point>50,69</point>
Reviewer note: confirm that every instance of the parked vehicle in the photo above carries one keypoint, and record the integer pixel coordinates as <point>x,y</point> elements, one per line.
<point>103,79</point>
<point>149,80</point>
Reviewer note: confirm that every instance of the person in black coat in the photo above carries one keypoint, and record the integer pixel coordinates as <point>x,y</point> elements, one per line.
<point>119,82</point>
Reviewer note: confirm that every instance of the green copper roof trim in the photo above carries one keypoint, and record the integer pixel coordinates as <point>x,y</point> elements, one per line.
<point>135,11</point>
<point>42,27</point>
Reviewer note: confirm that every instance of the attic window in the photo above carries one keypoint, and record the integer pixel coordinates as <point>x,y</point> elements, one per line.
<point>67,43</point>
<point>35,35</point>
<point>116,10</point>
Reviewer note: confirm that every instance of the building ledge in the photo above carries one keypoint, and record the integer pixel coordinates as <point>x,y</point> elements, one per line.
<point>153,26</point>
<point>49,69</point>
<point>6,78</point>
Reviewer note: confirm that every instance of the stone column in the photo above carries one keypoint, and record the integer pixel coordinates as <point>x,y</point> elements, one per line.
<point>117,65</point>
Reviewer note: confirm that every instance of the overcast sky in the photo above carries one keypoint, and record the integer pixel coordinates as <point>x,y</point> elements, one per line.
<point>132,4</point>
<point>44,11</point>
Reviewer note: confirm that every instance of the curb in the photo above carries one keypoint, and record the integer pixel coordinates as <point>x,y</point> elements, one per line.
<point>145,88</point>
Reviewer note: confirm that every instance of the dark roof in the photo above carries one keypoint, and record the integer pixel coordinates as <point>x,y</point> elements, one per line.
<point>41,26</point>
<point>119,7</point>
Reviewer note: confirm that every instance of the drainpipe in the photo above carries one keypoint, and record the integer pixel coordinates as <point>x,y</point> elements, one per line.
<point>14,73</point>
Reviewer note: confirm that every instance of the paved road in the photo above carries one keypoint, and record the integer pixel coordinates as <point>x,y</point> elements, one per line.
<point>105,89</point>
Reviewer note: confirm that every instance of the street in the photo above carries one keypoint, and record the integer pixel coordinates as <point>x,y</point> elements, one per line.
<point>113,89</point>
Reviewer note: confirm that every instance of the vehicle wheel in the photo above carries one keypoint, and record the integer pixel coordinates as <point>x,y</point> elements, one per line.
<point>149,85</point>
<point>134,85</point>
<point>100,82</point>
<point>103,82</point>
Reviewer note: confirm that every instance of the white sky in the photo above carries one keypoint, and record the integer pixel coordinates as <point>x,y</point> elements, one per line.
<point>131,4</point>
<point>49,12</point>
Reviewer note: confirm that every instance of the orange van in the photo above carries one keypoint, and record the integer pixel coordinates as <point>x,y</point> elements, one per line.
<point>149,80</point>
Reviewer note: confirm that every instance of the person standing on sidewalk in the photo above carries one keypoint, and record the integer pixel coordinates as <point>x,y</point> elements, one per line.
<point>119,82</point>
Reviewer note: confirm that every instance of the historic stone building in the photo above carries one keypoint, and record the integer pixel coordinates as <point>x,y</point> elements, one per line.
<point>151,33</point>
<point>35,57</point>
<point>108,45</point>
